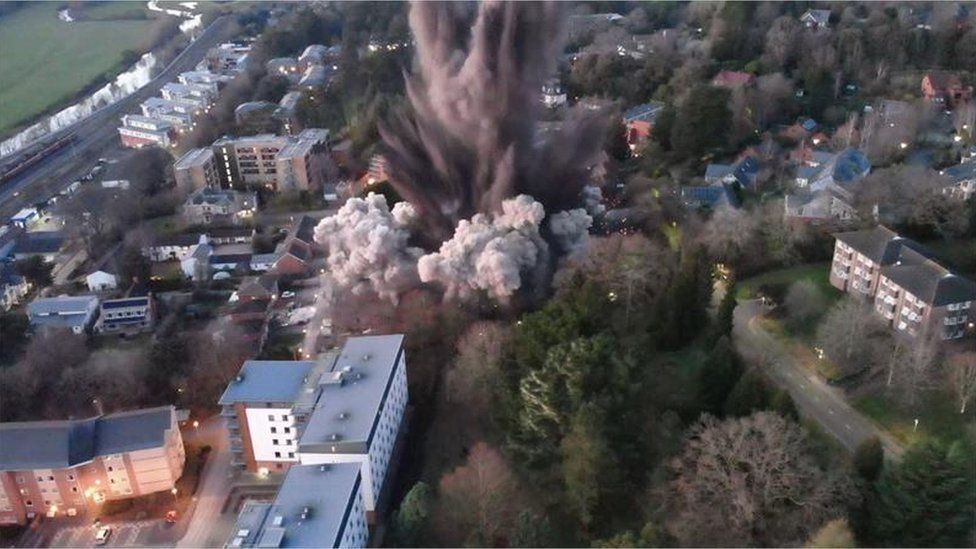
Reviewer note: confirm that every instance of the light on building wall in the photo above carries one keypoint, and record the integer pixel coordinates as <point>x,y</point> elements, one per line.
<point>903,145</point>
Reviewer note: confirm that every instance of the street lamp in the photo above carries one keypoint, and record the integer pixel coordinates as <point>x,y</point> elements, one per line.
<point>915,428</point>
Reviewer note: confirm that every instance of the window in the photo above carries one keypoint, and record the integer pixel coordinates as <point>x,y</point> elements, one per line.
<point>112,480</point>
<point>29,503</point>
<point>291,454</point>
<point>110,468</point>
<point>270,417</point>
<point>277,454</point>
<point>287,430</point>
<point>274,442</point>
<point>284,417</point>
<point>74,489</point>
<point>20,480</point>
<point>40,479</point>
<point>71,477</point>
<point>288,442</point>
<point>50,478</point>
<point>275,430</point>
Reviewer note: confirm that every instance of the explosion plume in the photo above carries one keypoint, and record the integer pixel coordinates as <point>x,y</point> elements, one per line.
<point>470,141</point>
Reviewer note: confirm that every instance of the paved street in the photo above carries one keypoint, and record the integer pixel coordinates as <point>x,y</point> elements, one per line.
<point>208,528</point>
<point>814,397</point>
<point>99,132</point>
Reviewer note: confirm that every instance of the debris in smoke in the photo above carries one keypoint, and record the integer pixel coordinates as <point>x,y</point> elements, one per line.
<point>593,201</point>
<point>469,142</point>
<point>367,245</point>
<point>490,253</point>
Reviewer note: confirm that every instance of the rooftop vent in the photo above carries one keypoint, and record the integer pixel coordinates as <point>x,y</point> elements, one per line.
<point>366,357</point>
<point>346,369</point>
<point>343,415</point>
<point>239,378</point>
<point>359,375</point>
<point>306,512</point>
<point>324,467</point>
<point>334,436</point>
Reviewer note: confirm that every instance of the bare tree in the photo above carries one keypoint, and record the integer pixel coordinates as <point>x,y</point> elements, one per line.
<point>754,477</point>
<point>477,366</point>
<point>962,371</point>
<point>476,501</point>
<point>782,41</point>
<point>851,336</point>
<point>804,302</point>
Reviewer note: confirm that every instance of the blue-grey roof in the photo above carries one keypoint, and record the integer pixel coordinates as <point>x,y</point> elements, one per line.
<point>717,171</point>
<point>808,172</point>
<point>268,381</point>
<point>808,124</point>
<point>851,165</point>
<point>646,112</point>
<point>63,311</point>
<point>123,303</point>
<point>229,258</point>
<point>30,445</point>
<point>708,196</point>
<point>8,275</point>
<point>40,242</point>
<point>961,172</point>
<point>326,494</point>
<point>365,366</point>
<point>746,170</point>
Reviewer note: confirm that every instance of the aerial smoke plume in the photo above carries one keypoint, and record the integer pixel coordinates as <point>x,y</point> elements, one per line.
<point>470,141</point>
<point>368,248</point>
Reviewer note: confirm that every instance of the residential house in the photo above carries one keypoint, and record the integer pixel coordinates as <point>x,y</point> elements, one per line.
<point>13,286</point>
<point>76,313</point>
<point>209,205</point>
<point>258,287</point>
<point>316,506</point>
<point>639,123</point>
<point>743,172</point>
<point>840,171</point>
<point>196,264</point>
<point>261,263</point>
<point>286,113</point>
<point>256,116</point>
<point>826,205</point>
<point>229,263</point>
<point>285,66</point>
<point>293,258</point>
<point>945,88</point>
<point>138,131</point>
<point>816,19</point>
<point>43,244</point>
<point>172,247</point>
<point>344,408</point>
<point>733,79</point>
<point>553,94</point>
<point>913,293</point>
<point>709,197</point>
<point>961,180</point>
<point>230,235</point>
<point>74,466</point>
<point>24,218</point>
<point>102,279</point>
<point>129,315</point>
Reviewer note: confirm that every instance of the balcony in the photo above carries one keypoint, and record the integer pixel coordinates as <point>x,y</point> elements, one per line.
<point>228,411</point>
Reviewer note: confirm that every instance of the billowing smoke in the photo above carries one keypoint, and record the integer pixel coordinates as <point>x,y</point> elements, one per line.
<point>490,253</point>
<point>570,229</point>
<point>368,246</point>
<point>593,200</point>
<point>470,141</point>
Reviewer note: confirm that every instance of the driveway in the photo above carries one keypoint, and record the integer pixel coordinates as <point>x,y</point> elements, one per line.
<point>207,526</point>
<point>814,398</point>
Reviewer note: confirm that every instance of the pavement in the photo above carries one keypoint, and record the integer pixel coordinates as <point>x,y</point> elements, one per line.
<point>814,398</point>
<point>322,298</point>
<point>98,133</point>
<point>208,527</point>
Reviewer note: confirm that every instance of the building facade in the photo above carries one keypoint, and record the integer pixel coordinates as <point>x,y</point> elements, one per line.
<point>196,169</point>
<point>209,205</point>
<point>69,466</point>
<point>914,295</point>
<point>130,314</point>
<point>298,163</point>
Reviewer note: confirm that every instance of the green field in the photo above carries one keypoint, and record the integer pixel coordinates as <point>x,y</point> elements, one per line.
<point>45,62</point>
<point>818,273</point>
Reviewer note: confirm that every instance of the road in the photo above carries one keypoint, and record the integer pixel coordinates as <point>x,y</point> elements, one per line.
<point>205,528</point>
<point>98,133</point>
<point>814,398</point>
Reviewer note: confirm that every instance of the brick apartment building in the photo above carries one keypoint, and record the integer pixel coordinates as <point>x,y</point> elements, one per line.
<point>913,293</point>
<point>69,466</point>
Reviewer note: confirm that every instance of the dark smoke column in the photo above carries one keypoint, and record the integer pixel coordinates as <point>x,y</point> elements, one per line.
<point>470,141</point>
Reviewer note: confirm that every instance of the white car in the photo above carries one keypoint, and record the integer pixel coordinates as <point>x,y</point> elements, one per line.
<point>102,535</point>
<point>287,295</point>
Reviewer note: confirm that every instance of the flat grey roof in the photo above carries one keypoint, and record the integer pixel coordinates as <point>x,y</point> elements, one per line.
<point>348,410</point>
<point>268,381</point>
<point>26,445</point>
<point>326,492</point>
<point>193,157</point>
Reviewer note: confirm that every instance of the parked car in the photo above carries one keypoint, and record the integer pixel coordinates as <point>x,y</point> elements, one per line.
<point>287,295</point>
<point>102,535</point>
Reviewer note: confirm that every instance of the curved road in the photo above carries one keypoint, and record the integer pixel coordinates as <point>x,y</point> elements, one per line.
<point>814,398</point>
<point>99,132</point>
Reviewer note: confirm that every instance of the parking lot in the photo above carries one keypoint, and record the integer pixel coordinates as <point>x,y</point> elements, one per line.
<point>127,534</point>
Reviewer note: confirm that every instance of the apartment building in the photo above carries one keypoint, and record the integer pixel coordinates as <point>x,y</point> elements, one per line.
<point>316,506</point>
<point>293,163</point>
<point>175,91</point>
<point>346,407</point>
<point>70,466</point>
<point>196,169</point>
<point>912,292</point>
<point>138,131</point>
<point>129,315</point>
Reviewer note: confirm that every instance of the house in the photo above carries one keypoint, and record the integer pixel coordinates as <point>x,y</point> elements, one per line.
<point>230,235</point>
<point>303,229</point>
<point>945,88</point>
<point>840,171</point>
<point>256,115</point>
<point>9,236</point>
<point>743,172</point>
<point>316,506</point>
<point>293,257</point>
<point>76,313</point>
<point>13,286</point>
<point>129,314</point>
<point>639,122</point>
<point>263,262</point>
<point>553,94</point>
<point>910,290</point>
<point>209,205</point>
<point>102,279</point>
<point>343,408</point>
<point>258,287</point>
<point>139,131</point>
<point>709,197</point>
<point>816,19</point>
<point>172,247</point>
<point>75,465</point>
<point>733,79</point>
<point>24,218</point>
<point>229,262</point>
<point>284,66</point>
<point>196,264</point>
<point>241,311</point>
<point>43,244</point>
<point>818,206</point>
<point>961,180</point>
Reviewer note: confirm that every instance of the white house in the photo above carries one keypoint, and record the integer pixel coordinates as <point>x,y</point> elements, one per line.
<point>102,280</point>
<point>196,263</point>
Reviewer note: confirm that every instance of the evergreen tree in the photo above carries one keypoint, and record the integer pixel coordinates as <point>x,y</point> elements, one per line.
<point>587,461</point>
<point>781,402</point>
<point>410,519</point>
<point>869,459</point>
<point>531,530</point>
<point>926,500</point>
<point>726,309</point>
<point>749,395</point>
<point>719,376</point>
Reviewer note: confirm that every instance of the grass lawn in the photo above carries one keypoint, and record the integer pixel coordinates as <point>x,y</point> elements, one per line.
<point>46,61</point>
<point>938,417</point>
<point>818,273</point>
